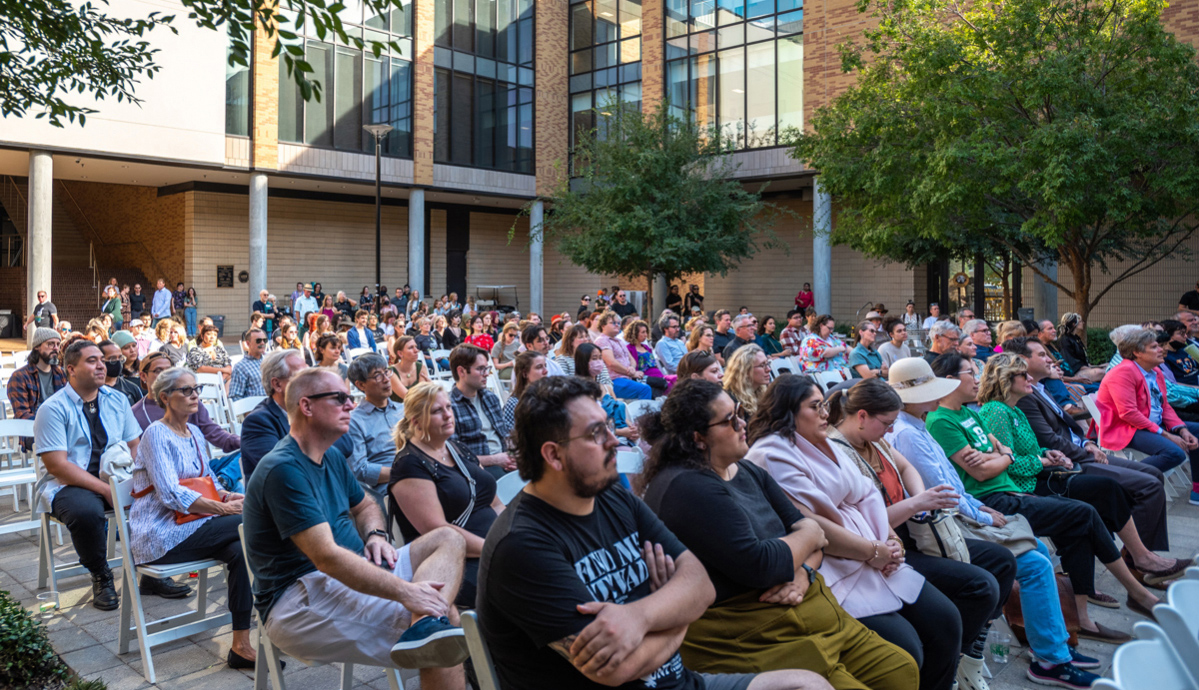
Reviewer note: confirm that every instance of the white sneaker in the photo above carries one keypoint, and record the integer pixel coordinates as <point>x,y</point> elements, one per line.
<point>970,674</point>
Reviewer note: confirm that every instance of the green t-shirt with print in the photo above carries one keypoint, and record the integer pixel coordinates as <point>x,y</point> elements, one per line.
<point>956,429</point>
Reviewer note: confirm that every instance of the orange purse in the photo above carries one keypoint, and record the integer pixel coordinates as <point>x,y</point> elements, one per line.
<point>203,485</point>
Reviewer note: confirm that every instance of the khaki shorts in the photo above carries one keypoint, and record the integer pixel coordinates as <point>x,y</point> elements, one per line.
<point>320,619</point>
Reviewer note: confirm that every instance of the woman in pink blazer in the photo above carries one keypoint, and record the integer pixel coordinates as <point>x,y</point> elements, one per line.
<point>1135,412</point>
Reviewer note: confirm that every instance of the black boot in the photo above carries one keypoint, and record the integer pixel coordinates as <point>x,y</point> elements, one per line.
<point>164,587</point>
<point>104,591</point>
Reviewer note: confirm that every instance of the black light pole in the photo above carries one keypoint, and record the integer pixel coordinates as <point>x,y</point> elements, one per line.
<point>379,131</point>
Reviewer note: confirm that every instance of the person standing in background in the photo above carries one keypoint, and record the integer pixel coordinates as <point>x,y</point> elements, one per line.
<point>805,298</point>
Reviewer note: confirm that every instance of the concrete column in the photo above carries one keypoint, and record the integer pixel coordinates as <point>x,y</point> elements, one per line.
<point>38,247</point>
<point>536,260</point>
<point>1044,295</point>
<point>258,224</point>
<point>416,240</point>
<point>822,251</point>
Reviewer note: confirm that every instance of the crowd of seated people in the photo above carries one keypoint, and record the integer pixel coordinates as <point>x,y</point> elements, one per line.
<point>799,568</point>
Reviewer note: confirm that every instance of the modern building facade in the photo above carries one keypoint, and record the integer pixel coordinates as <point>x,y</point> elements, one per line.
<point>227,180</point>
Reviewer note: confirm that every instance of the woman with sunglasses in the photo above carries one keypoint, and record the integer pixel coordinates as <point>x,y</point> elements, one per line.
<point>1008,482</point>
<point>861,415</point>
<point>147,411</point>
<point>773,610</point>
<point>864,562</point>
<point>173,449</point>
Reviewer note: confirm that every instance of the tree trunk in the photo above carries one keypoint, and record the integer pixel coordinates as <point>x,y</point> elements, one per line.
<point>1081,271</point>
<point>648,310</point>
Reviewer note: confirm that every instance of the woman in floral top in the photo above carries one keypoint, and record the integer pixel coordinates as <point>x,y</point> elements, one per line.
<point>820,351</point>
<point>208,357</point>
<point>1004,382</point>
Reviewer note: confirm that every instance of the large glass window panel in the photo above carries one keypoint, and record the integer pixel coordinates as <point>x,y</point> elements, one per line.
<point>524,162</point>
<point>348,132</point>
<point>761,29</point>
<point>759,80</point>
<point>485,28</point>
<point>790,76</point>
<point>581,26</point>
<point>730,36</point>
<point>630,18</point>
<point>787,5</point>
<point>759,8</point>
<point>505,30</point>
<point>461,126</point>
<point>291,107</point>
<point>237,99</point>
<point>401,18</point>
<point>443,14</point>
<point>630,50</point>
<point>526,41</point>
<point>441,115</point>
<point>605,56</point>
<point>790,23</point>
<point>485,121</point>
<point>729,11</point>
<point>703,15</point>
<point>703,89</point>
<point>605,21</point>
<point>463,21</point>
<point>676,88</point>
<point>676,18</point>
<point>318,117</point>
<point>580,62</point>
<point>732,95</point>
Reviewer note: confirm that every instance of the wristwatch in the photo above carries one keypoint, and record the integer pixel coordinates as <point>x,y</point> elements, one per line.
<point>377,532</point>
<point>811,573</point>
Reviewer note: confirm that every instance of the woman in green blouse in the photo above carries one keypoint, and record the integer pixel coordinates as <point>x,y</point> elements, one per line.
<point>1045,472</point>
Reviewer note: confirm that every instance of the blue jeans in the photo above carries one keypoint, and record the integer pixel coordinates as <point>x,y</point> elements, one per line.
<point>1043,622</point>
<point>1163,454</point>
<point>628,389</point>
<point>190,314</point>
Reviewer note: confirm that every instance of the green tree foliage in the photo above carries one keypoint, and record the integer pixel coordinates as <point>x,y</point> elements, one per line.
<point>1059,130</point>
<point>50,49</point>
<point>655,196</point>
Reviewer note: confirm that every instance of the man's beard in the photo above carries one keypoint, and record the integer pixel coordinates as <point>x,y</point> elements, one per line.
<point>585,488</point>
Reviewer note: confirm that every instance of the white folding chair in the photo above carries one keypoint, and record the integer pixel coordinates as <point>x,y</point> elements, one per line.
<point>358,352</point>
<point>1178,616</point>
<point>634,409</point>
<point>1147,664</point>
<point>780,366</point>
<point>827,379</point>
<point>47,571</point>
<point>508,486</point>
<point>235,359</point>
<point>154,633</point>
<point>629,460</point>
<point>243,407</point>
<point>441,373</point>
<point>480,656</point>
<point>496,386</point>
<point>20,476</point>
<point>268,670</point>
<point>19,358</point>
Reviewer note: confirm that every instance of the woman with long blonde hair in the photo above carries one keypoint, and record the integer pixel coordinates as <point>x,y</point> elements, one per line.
<point>746,377</point>
<point>436,482</point>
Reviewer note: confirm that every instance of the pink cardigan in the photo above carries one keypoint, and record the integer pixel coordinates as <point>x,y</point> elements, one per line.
<point>1123,402</point>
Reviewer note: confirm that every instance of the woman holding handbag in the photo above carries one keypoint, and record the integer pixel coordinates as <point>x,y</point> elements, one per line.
<point>979,583</point>
<point>179,513</point>
<point>1044,619</point>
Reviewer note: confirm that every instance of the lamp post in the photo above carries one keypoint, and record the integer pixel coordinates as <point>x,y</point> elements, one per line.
<point>378,131</point>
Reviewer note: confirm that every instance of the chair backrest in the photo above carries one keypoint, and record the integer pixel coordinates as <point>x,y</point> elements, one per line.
<point>16,427</point>
<point>245,553</point>
<point>1149,664</point>
<point>243,407</point>
<point>493,382</point>
<point>508,486</point>
<point>1093,409</point>
<point>122,498</point>
<point>1179,618</point>
<point>358,352</point>
<point>480,656</point>
<point>828,379</point>
<point>629,460</point>
<point>780,366</point>
<point>635,408</point>
<point>20,358</point>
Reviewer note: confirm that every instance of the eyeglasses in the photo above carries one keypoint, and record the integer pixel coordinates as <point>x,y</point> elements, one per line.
<point>187,391</point>
<point>598,433</point>
<point>764,366</point>
<point>733,421</point>
<point>118,358</point>
<point>339,396</point>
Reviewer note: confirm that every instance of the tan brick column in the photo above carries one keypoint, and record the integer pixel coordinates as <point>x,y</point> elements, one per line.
<point>653,48</point>
<point>423,78</point>
<point>264,114</point>
<point>552,126</point>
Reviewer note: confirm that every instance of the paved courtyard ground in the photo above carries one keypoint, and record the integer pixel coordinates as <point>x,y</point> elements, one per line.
<point>87,638</point>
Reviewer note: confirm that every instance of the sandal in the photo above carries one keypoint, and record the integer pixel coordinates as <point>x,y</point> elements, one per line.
<point>1103,633</point>
<point>1104,600</point>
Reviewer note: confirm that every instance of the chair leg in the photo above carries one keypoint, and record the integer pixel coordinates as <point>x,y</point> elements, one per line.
<point>124,633</point>
<point>347,676</point>
<point>46,575</point>
<point>275,671</point>
<point>261,667</point>
<point>202,594</point>
<point>58,530</point>
<point>139,619</point>
<point>394,680</point>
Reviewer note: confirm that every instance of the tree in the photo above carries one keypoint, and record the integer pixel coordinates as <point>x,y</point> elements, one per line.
<point>52,48</point>
<point>1057,130</point>
<point>655,196</point>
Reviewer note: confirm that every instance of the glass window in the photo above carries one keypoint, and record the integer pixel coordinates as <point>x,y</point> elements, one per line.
<point>759,78</point>
<point>237,97</point>
<point>318,115</point>
<point>348,132</point>
<point>291,107</point>
<point>605,40</point>
<point>790,69</point>
<point>441,115</point>
<point>732,96</point>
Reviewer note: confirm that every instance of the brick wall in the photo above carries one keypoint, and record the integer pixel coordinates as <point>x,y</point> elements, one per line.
<point>826,24</point>
<point>652,55</point>
<point>327,242</point>
<point>553,98</point>
<point>264,113</point>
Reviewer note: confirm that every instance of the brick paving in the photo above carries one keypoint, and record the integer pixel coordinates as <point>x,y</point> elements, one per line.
<point>87,638</point>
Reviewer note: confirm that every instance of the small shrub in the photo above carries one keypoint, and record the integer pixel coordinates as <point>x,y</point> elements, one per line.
<point>1100,347</point>
<point>26,658</point>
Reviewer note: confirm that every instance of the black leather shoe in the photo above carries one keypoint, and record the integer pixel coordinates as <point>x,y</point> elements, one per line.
<point>235,660</point>
<point>104,591</point>
<point>164,587</point>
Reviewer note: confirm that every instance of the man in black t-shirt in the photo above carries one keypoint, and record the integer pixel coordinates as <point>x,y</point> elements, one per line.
<point>1190,301</point>
<point>621,306</point>
<point>580,584</point>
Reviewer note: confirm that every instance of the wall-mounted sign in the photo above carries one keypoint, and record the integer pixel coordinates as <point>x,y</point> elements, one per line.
<point>243,277</point>
<point>961,279</point>
<point>224,276</point>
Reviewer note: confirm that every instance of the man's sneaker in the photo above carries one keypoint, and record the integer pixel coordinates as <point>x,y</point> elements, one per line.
<point>430,643</point>
<point>1062,675</point>
<point>104,591</point>
<point>1195,498</point>
<point>1082,660</point>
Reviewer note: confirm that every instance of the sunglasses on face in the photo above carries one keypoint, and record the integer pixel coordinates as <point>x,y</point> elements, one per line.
<point>340,397</point>
<point>258,341</point>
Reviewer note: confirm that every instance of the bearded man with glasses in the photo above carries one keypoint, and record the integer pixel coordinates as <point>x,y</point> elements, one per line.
<point>308,527</point>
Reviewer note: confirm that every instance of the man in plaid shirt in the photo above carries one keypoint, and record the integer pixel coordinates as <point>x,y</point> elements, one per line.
<point>478,418</point>
<point>246,379</point>
<point>793,335</point>
<point>25,389</point>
